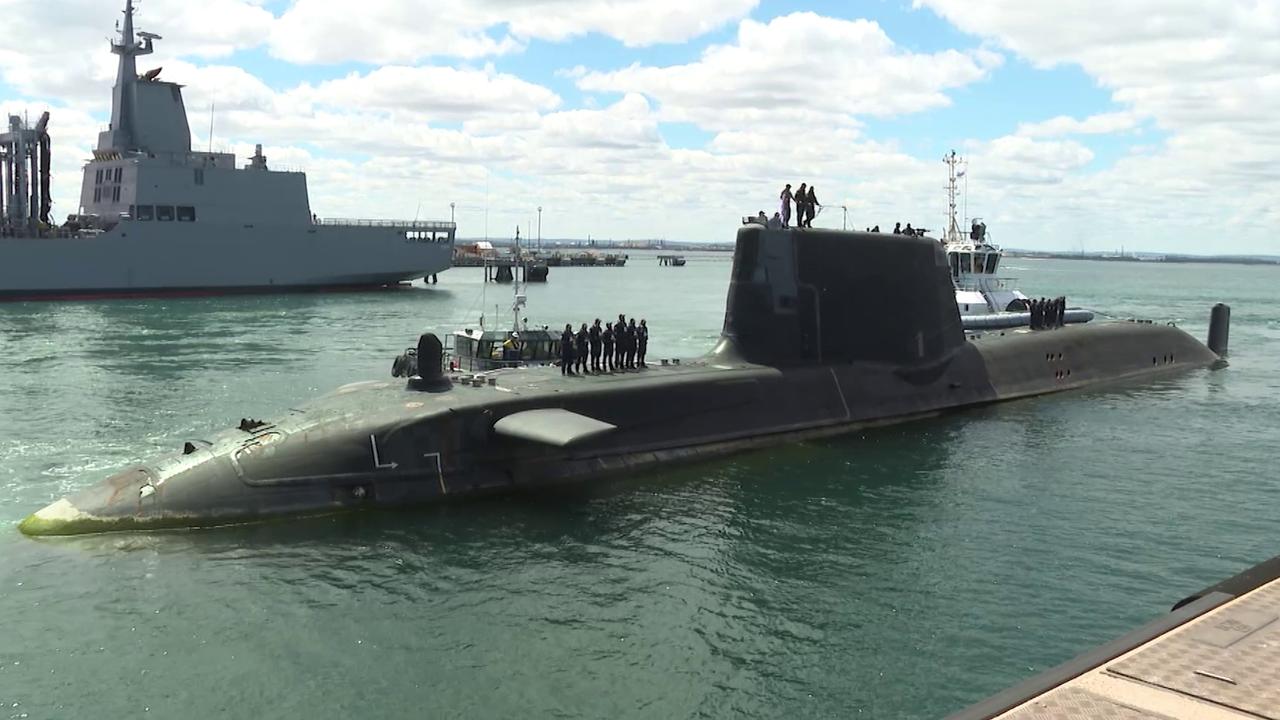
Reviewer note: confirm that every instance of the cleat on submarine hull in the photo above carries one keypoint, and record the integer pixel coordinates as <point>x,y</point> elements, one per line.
<point>808,350</point>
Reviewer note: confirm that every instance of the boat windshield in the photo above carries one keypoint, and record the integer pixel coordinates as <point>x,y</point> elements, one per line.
<point>993,261</point>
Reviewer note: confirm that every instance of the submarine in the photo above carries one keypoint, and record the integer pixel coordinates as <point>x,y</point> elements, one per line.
<point>825,332</point>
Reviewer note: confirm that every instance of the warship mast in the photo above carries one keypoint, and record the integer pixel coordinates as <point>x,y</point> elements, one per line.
<point>121,135</point>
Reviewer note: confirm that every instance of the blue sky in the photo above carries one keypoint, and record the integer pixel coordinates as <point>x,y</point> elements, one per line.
<point>597,109</point>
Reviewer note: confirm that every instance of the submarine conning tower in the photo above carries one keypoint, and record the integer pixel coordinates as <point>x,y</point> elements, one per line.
<point>823,297</point>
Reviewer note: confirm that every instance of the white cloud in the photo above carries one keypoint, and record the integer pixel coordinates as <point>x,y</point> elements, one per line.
<point>784,100</point>
<point>64,52</point>
<point>1205,74</point>
<point>438,92</point>
<point>1018,160</point>
<point>1100,124</point>
<point>405,31</point>
<point>799,70</point>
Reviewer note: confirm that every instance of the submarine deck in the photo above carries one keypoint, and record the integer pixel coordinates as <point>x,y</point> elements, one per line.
<point>1216,658</point>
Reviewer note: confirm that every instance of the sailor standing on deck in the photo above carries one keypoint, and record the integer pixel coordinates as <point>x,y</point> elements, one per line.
<point>802,200</point>
<point>620,341</point>
<point>594,337</point>
<point>642,342</point>
<point>810,205</point>
<point>581,348</point>
<point>631,345</point>
<point>606,338</point>
<point>566,351</point>
<point>786,197</point>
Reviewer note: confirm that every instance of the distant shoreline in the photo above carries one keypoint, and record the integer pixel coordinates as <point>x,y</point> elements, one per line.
<point>1144,257</point>
<point>565,244</point>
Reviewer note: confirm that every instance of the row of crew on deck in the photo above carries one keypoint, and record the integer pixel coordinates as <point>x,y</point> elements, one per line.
<point>806,202</point>
<point>1047,313</point>
<point>604,348</point>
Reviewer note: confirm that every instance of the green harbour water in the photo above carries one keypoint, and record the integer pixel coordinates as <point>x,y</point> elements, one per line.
<point>902,572</point>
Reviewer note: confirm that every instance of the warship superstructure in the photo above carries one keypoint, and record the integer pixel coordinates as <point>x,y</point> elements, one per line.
<point>156,216</point>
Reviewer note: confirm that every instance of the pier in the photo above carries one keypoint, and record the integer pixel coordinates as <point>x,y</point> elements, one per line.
<point>671,260</point>
<point>505,270</point>
<point>1215,656</point>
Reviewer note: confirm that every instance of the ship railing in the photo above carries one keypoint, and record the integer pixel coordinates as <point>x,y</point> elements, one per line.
<point>979,284</point>
<point>436,225</point>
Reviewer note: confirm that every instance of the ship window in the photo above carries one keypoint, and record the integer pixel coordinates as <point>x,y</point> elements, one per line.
<point>97,195</point>
<point>992,261</point>
<point>115,194</point>
<point>164,213</point>
<point>186,213</point>
<point>145,212</point>
<point>955,263</point>
<point>199,176</point>
<point>966,262</point>
<point>119,174</point>
<point>977,262</point>
<point>98,180</point>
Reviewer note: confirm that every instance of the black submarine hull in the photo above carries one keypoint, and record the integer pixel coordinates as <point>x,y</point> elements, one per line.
<point>805,353</point>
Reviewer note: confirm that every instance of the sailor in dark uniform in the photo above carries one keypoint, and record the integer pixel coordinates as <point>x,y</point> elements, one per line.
<point>606,338</point>
<point>642,342</point>
<point>566,351</point>
<point>631,345</point>
<point>580,347</point>
<point>620,341</point>
<point>594,336</point>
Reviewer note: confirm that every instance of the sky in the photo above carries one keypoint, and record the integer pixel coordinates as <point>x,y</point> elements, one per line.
<point>1084,124</point>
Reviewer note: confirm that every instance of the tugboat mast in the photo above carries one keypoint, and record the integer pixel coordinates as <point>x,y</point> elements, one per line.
<point>953,229</point>
<point>518,301</point>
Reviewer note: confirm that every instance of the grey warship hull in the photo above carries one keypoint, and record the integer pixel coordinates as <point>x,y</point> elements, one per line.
<point>803,355</point>
<point>136,258</point>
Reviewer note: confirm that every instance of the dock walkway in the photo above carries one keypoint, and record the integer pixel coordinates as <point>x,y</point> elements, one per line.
<point>1216,656</point>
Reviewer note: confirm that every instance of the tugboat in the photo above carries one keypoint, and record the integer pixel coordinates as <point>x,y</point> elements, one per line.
<point>985,299</point>
<point>157,217</point>
<point>478,351</point>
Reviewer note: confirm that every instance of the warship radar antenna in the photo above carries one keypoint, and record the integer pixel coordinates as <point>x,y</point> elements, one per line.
<point>129,49</point>
<point>953,230</point>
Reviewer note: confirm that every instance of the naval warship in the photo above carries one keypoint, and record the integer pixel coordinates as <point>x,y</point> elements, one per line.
<point>157,217</point>
<point>808,350</point>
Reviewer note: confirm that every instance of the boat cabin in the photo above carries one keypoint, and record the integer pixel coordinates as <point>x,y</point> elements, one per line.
<point>481,350</point>
<point>968,259</point>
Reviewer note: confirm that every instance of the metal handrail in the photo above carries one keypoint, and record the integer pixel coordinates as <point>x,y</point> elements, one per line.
<point>407,224</point>
<point>968,281</point>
